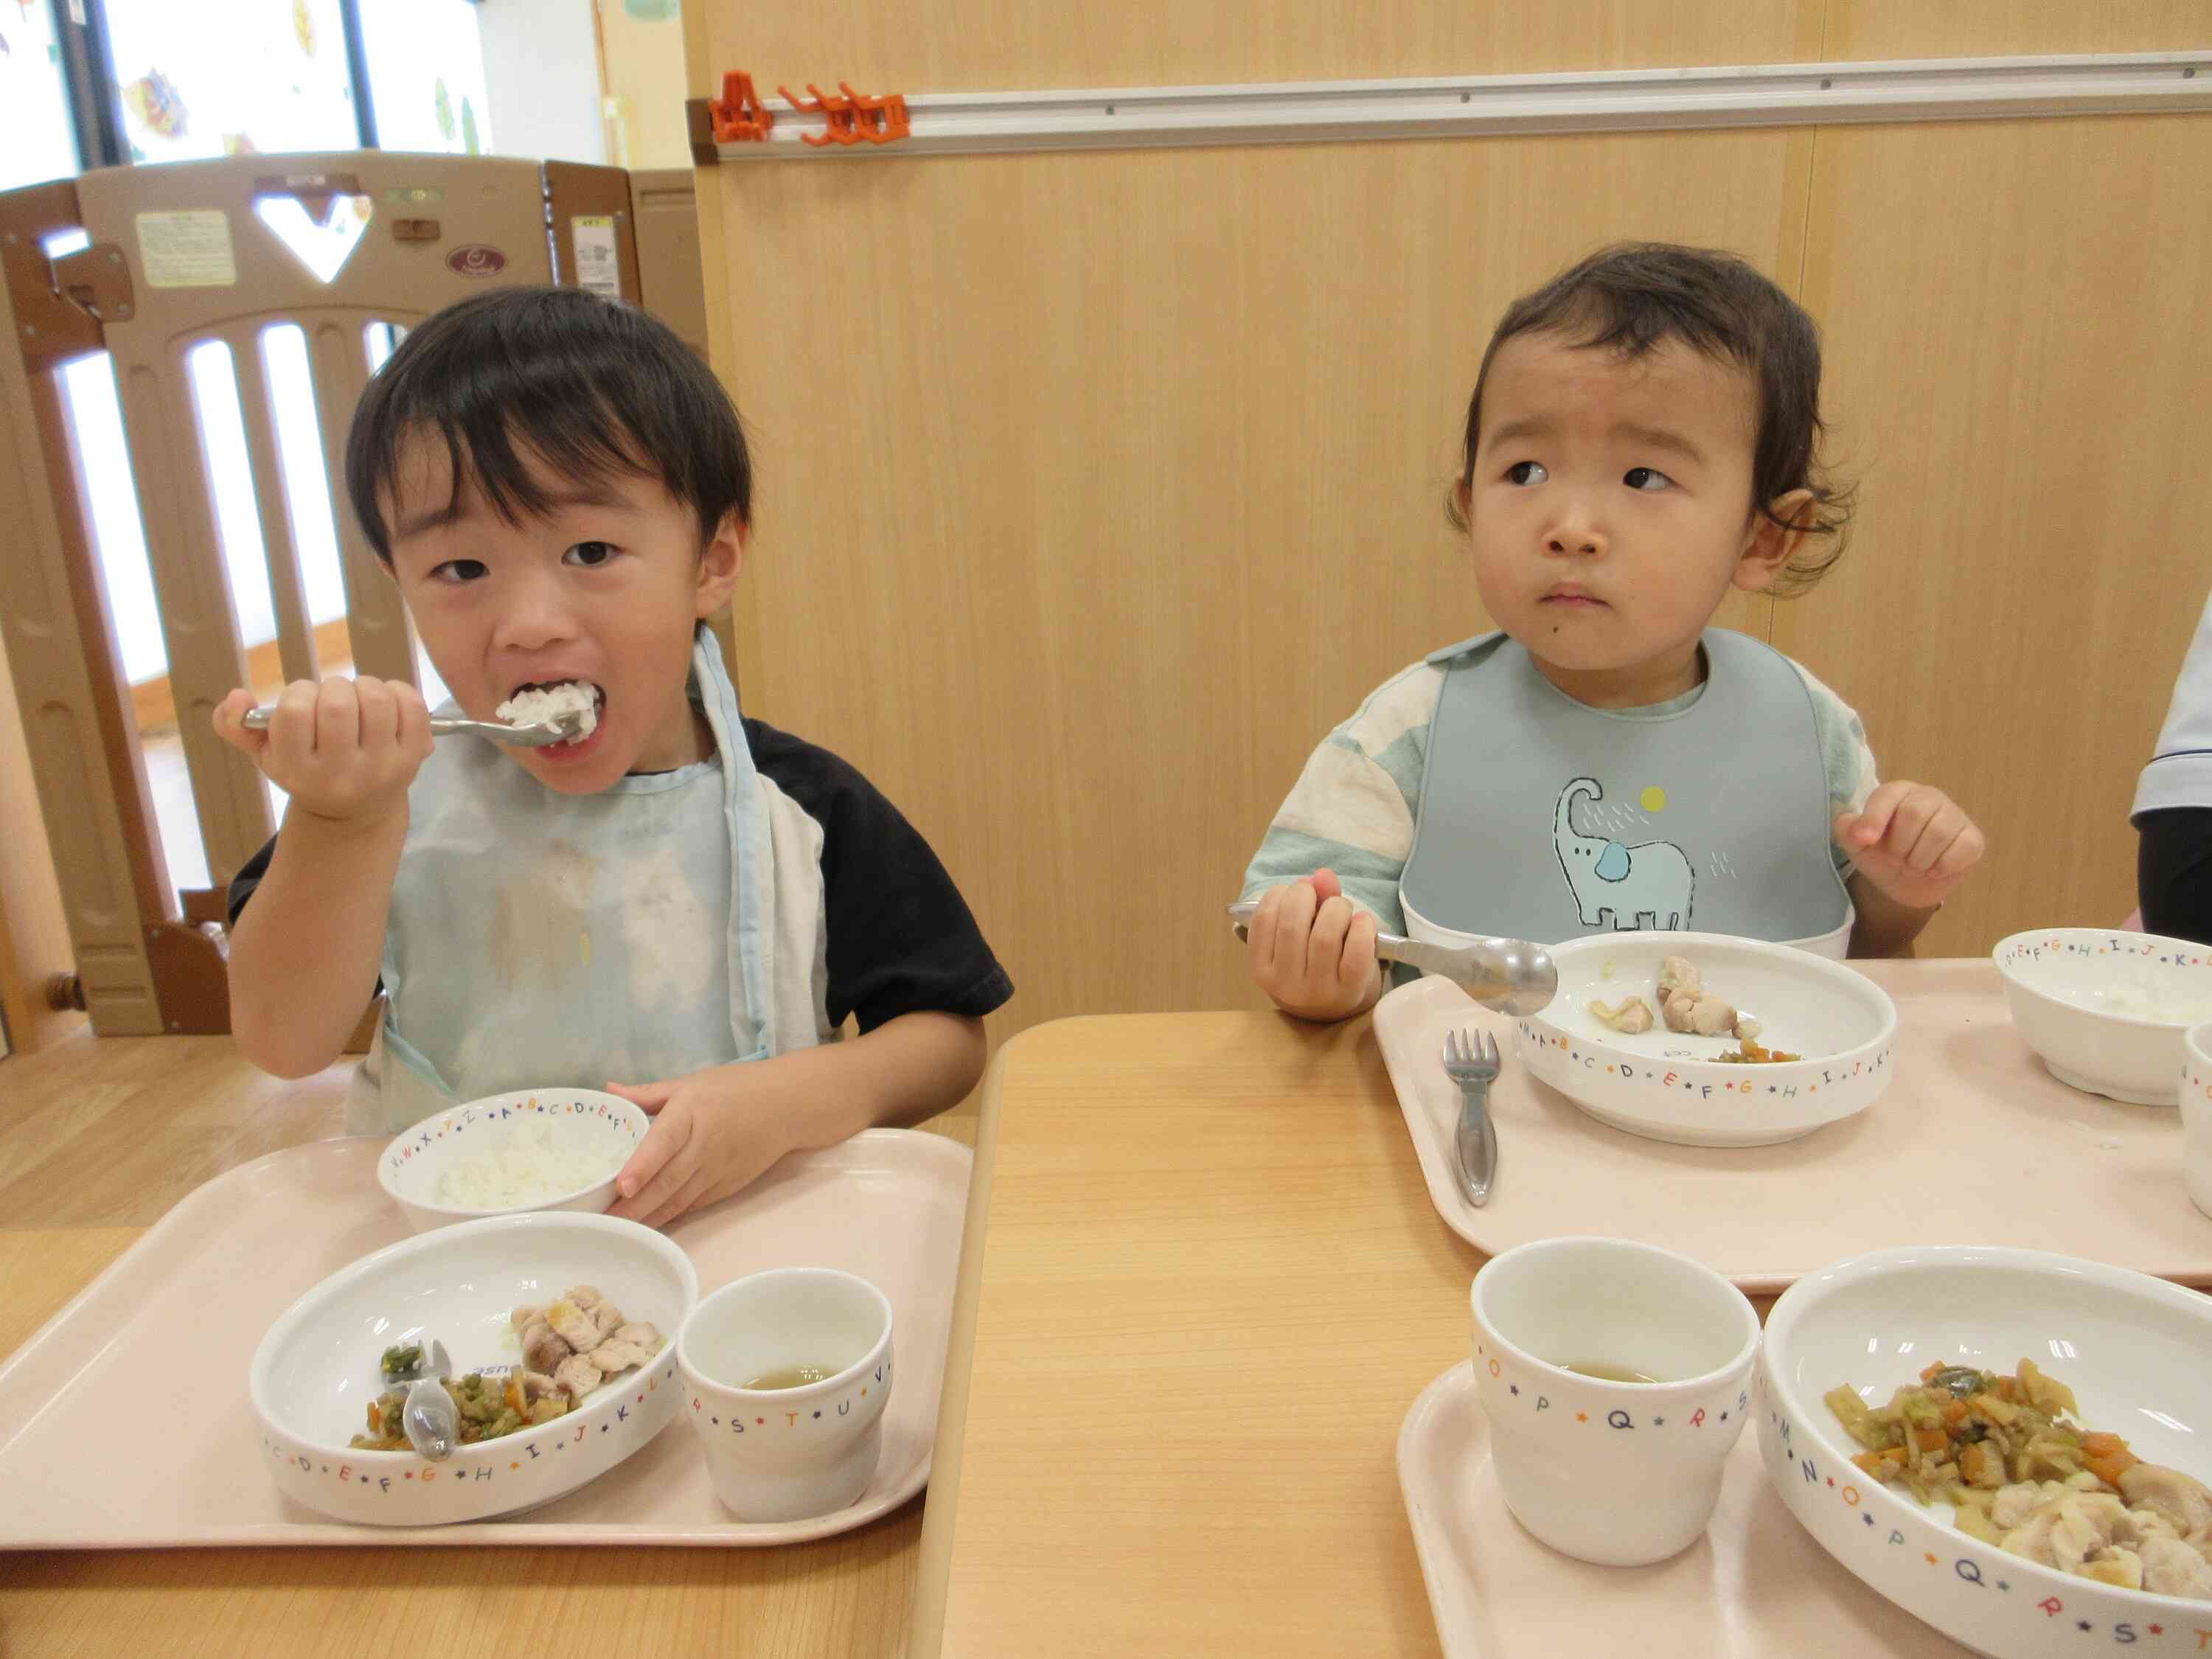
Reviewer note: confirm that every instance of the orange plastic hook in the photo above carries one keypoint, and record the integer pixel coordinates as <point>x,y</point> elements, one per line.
<point>738,114</point>
<point>853,118</point>
<point>878,120</point>
<point>837,111</point>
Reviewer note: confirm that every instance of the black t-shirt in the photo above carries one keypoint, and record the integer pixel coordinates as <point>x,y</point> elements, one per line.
<point>2173,872</point>
<point>900,939</point>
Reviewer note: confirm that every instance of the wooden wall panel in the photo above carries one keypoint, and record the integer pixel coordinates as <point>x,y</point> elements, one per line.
<point>1096,488</point>
<point>2019,347</point>
<point>974,46</point>
<point>1916,28</point>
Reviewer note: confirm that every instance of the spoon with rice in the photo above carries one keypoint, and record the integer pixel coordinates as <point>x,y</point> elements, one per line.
<point>531,719</point>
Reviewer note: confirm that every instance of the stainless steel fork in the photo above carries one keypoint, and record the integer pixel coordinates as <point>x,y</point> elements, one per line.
<point>1471,1061</point>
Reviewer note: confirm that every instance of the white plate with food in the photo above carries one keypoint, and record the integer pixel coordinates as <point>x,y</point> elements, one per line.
<point>560,1330</point>
<point>2043,1460</point>
<point>530,1148</point>
<point>2107,1012</point>
<point>1706,1040</point>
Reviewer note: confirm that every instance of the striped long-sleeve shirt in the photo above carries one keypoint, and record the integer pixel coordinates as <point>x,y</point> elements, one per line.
<point>1352,809</point>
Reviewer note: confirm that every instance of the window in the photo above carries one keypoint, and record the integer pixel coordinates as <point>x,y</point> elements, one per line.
<point>426,65</point>
<point>38,140</point>
<point>275,77</point>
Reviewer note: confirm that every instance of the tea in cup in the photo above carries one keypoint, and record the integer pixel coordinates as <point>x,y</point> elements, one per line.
<point>788,1372</point>
<point>1607,1469</point>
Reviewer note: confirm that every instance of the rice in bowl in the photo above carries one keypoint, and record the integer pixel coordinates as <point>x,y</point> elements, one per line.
<point>532,1168</point>
<point>530,1148</point>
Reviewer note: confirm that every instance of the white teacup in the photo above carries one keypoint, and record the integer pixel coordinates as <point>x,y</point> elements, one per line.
<point>2197,1114</point>
<point>1619,1474</point>
<point>788,1453</point>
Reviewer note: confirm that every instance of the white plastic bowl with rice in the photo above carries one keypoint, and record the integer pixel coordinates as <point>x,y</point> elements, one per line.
<point>2106,1011</point>
<point>532,1149</point>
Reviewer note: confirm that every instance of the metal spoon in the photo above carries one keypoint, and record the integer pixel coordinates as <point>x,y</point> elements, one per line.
<point>515,736</point>
<point>428,1417</point>
<point>1509,975</point>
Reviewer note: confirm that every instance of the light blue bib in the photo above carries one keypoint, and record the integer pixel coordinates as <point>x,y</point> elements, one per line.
<point>538,940</point>
<point>1543,818</point>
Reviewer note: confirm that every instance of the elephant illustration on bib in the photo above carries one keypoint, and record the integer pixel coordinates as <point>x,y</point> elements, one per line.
<point>1621,889</point>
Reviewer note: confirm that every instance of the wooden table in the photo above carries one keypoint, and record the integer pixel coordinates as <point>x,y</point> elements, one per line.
<point>1203,1283</point>
<point>98,1140</point>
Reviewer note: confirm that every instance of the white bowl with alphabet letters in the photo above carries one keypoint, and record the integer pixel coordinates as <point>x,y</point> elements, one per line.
<point>1671,1086</point>
<point>2131,1348</point>
<point>315,1372</point>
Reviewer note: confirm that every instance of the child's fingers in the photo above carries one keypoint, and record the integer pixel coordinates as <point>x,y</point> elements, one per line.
<point>1966,851</point>
<point>1356,964</point>
<point>1909,822</point>
<point>337,717</point>
<point>1943,827</point>
<point>1260,934</point>
<point>661,1201</point>
<point>1962,853</point>
<point>1325,884</point>
<point>1325,945</point>
<point>1872,818</point>
<point>657,1167</point>
<point>1294,919</point>
<point>230,724</point>
<point>1858,831</point>
<point>415,738</point>
<point>686,1199</point>
<point>648,1097</point>
<point>379,714</point>
<point>292,724</point>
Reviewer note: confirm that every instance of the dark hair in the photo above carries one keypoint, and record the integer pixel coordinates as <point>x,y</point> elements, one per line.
<point>1631,298</point>
<point>589,386</point>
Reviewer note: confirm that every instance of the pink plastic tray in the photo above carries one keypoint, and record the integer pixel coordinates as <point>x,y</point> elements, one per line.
<point>1756,1584</point>
<point>126,1419</point>
<point>1955,1152</point>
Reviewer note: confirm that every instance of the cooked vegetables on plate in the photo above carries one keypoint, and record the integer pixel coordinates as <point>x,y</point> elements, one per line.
<point>2024,1475</point>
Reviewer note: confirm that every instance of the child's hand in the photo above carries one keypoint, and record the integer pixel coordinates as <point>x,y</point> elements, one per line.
<point>1912,841</point>
<point>709,1139</point>
<point>343,750</point>
<point>1313,951</point>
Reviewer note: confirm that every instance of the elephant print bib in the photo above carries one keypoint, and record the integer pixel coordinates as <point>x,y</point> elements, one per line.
<point>1543,818</point>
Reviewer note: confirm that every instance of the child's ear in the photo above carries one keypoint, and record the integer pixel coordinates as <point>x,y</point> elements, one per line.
<point>719,563</point>
<point>1771,539</point>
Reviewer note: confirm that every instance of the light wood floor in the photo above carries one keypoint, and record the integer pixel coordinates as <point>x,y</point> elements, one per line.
<point>111,1131</point>
<point>98,1137</point>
